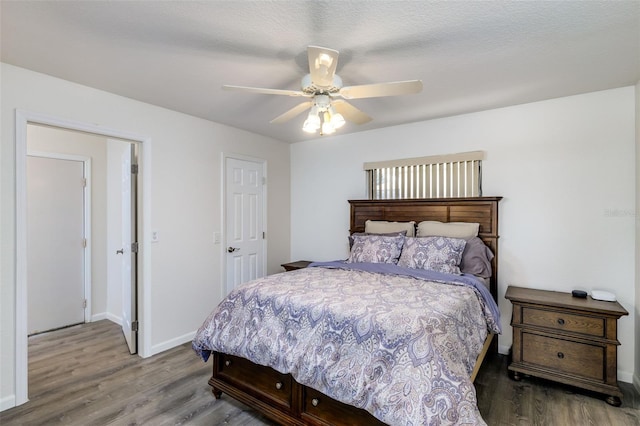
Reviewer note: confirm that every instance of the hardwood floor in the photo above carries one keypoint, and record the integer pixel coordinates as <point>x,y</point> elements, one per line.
<point>534,401</point>
<point>84,375</point>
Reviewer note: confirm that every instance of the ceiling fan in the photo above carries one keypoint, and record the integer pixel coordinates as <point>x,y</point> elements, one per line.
<point>324,89</point>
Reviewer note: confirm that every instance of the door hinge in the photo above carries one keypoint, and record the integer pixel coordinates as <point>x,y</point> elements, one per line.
<point>84,242</point>
<point>84,182</point>
<point>134,326</point>
<point>134,247</point>
<point>264,180</point>
<point>134,169</point>
<point>264,235</point>
<point>84,304</point>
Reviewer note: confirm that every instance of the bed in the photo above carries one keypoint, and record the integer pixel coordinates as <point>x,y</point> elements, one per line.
<point>347,342</point>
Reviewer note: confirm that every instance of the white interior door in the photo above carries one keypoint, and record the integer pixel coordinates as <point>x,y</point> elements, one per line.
<point>129,251</point>
<point>245,222</point>
<point>55,243</point>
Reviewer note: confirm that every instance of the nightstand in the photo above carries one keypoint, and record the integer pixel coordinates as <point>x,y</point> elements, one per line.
<point>292,266</point>
<point>566,339</point>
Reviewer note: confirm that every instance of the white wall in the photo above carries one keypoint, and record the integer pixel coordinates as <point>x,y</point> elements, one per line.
<point>185,193</point>
<point>636,377</point>
<point>565,168</point>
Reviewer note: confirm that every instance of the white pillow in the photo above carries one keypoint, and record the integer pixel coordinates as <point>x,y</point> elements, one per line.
<point>432,228</point>
<point>385,227</point>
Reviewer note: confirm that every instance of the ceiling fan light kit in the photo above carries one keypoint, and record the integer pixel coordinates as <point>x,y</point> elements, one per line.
<point>323,86</point>
<point>331,119</point>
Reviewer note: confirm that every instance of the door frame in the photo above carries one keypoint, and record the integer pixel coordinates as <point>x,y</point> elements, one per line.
<point>86,206</point>
<point>22,118</point>
<point>223,215</point>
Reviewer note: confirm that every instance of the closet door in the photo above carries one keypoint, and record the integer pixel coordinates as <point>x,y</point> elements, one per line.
<point>55,243</point>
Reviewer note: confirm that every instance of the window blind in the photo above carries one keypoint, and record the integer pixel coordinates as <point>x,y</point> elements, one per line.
<point>440,176</point>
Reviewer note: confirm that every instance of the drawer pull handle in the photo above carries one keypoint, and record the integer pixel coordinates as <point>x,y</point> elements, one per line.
<point>227,362</point>
<point>315,402</point>
<point>560,321</point>
<point>279,385</point>
<point>560,355</point>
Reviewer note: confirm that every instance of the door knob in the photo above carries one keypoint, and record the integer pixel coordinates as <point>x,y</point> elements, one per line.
<point>121,251</point>
<point>232,249</point>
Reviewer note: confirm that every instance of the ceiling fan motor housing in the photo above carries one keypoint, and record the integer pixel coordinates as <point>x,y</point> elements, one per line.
<point>311,88</point>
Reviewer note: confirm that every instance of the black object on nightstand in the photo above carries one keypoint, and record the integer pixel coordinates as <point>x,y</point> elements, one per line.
<point>292,266</point>
<point>579,293</point>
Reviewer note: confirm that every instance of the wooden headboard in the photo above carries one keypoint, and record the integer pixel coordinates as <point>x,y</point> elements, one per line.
<point>482,210</point>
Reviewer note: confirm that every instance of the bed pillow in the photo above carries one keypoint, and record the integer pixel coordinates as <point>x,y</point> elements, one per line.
<point>442,254</point>
<point>476,258</point>
<point>385,227</point>
<point>432,228</point>
<point>402,233</point>
<point>376,249</point>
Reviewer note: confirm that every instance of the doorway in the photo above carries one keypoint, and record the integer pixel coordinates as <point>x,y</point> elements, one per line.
<point>58,230</point>
<point>23,120</point>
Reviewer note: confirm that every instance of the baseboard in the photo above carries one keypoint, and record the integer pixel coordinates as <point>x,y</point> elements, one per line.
<point>504,350</point>
<point>108,316</point>
<point>114,319</point>
<point>7,402</point>
<point>625,376</point>
<point>98,317</point>
<point>170,344</point>
<point>636,382</point>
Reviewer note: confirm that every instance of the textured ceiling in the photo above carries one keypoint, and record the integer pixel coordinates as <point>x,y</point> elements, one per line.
<point>471,56</point>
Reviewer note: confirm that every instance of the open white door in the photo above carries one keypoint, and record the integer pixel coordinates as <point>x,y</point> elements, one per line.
<point>129,250</point>
<point>245,221</point>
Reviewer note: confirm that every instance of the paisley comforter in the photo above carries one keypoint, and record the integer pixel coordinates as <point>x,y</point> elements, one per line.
<point>399,346</point>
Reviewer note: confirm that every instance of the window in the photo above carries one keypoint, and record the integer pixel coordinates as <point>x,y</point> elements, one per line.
<point>440,176</point>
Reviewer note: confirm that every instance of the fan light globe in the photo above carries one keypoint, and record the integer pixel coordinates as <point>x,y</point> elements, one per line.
<point>312,123</point>
<point>310,126</point>
<point>337,120</point>
<point>327,126</point>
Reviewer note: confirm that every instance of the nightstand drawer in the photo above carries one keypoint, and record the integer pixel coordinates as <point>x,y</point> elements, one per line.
<point>563,321</point>
<point>564,356</point>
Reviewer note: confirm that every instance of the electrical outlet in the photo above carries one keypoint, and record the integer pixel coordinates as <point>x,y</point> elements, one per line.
<point>155,236</point>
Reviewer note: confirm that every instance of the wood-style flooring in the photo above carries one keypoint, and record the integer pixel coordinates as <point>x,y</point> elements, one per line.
<point>84,375</point>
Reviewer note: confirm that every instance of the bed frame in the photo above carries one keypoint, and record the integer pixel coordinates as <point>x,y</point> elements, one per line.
<point>278,396</point>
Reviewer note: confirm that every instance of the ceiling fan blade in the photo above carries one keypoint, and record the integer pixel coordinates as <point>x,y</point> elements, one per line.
<point>350,113</point>
<point>322,65</point>
<point>292,113</point>
<point>394,88</point>
<point>265,91</point>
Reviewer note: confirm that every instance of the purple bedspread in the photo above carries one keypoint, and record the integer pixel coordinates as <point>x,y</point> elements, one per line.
<point>401,347</point>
